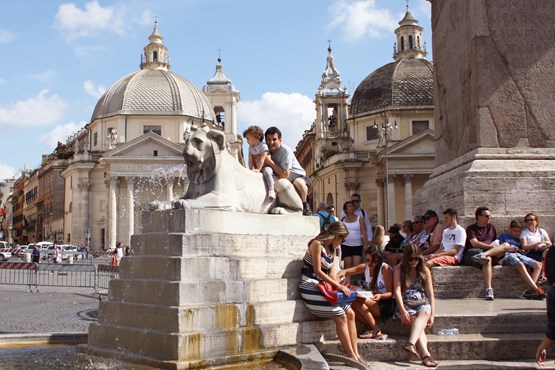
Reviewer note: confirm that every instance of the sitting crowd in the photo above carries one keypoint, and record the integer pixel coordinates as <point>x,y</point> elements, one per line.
<point>395,278</point>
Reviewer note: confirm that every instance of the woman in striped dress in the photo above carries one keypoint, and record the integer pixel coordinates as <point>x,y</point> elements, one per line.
<point>318,266</point>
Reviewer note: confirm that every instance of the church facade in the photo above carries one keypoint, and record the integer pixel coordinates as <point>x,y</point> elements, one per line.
<point>130,153</point>
<point>380,143</point>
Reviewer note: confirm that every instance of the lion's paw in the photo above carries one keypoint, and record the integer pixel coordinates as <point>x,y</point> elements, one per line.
<point>182,204</point>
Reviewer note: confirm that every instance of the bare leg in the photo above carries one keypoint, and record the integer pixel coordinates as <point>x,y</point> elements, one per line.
<point>486,272</point>
<point>526,277</point>
<point>302,189</point>
<point>347,262</point>
<point>352,327</point>
<point>342,328</point>
<point>418,324</point>
<point>537,269</point>
<point>357,260</point>
<point>364,314</point>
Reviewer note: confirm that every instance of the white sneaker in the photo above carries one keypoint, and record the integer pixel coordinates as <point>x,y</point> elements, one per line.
<point>489,294</point>
<point>481,259</point>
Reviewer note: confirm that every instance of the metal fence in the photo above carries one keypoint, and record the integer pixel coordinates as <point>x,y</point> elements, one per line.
<point>36,275</point>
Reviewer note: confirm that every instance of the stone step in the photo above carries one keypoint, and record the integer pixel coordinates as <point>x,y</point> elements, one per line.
<point>493,347</point>
<point>528,322</point>
<point>206,268</point>
<point>467,282</point>
<point>187,293</point>
<point>194,221</point>
<point>208,244</point>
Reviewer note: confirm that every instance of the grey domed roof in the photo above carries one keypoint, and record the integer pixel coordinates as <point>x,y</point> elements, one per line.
<point>406,82</point>
<point>153,92</point>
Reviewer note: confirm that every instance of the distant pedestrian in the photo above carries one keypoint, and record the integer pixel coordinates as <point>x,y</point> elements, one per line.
<point>119,252</point>
<point>56,253</point>
<point>115,258</point>
<point>36,254</point>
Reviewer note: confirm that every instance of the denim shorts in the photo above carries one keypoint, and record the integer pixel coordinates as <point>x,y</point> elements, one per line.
<point>512,259</point>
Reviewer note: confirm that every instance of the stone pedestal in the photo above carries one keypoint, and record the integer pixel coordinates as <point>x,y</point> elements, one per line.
<point>205,288</point>
<point>494,108</point>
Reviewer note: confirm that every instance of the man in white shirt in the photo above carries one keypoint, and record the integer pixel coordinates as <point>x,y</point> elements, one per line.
<point>452,242</point>
<point>355,198</point>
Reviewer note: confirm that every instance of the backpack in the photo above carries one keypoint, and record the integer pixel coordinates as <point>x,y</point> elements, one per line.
<point>549,265</point>
<point>327,221</point>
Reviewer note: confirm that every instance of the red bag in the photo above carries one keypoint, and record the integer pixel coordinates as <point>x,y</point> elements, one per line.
<point>333,296</point>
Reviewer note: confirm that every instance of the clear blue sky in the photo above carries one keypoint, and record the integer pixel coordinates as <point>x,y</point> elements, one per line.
<point>59,57</point>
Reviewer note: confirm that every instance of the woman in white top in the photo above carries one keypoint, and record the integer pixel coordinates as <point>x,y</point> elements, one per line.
<point>378,292</point>
<point>533,238</point>
<point>351,248</point>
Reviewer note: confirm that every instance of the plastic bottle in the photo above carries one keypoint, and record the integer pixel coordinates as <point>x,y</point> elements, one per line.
<point>448,332</point>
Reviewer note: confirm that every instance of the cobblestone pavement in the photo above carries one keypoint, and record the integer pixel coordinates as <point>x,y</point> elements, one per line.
<point>53,310</point>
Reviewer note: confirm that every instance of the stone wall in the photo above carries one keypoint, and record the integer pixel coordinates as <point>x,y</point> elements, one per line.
<point>494,64</point>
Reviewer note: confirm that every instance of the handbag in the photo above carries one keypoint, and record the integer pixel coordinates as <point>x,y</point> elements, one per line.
<point>416,302</point>
<point>333,296</point>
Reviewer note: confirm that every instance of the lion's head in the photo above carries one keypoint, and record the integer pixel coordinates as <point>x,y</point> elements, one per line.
<point>202,146</point>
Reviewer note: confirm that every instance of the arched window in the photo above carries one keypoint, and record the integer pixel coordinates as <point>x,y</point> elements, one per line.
<point>411,46</point>
<point>402,43</point>
<point>418,42</point>
<point>155,56</point>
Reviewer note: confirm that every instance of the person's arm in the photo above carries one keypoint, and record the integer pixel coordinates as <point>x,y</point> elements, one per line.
<point>451,252</point>
<point>352,270</point>
<point>530,246</point>
<point>251,161</point>
<point>541,352</point>
<point>316,252</point>
<point>546,238</point>
<point>435,241</point>
<point>478,244</point>
<point>404,315</point>
<point>260,161</point>
<point>280,172</point>
<point>363,232</point>
<point>388,280</point>
<point>429,290</point>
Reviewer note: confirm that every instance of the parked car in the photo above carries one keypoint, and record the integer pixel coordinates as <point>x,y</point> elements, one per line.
<point>20,252</point>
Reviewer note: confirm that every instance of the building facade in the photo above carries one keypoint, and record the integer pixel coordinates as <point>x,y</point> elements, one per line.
<point>130,153</point>
<point>381,144</point>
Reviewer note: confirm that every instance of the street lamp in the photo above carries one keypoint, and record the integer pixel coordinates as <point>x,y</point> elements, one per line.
<point>385,129</point>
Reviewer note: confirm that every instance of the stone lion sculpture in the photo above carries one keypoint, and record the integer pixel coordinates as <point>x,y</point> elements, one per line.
<point>219,181</point>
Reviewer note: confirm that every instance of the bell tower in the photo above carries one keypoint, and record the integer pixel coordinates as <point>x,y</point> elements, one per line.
<point>331,131</point>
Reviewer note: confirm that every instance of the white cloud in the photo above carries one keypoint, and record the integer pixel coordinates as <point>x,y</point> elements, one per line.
<point>45,76</point>
<point>6,172</point>
<point>6,36</point>
<point>292,113</point>
<point>92,90</point>
<point>147,17</point>
<point>423,10</point>
<point>75,22</point>
<point>359,19</point>
<point>59,133</point>
<point>41,110</point>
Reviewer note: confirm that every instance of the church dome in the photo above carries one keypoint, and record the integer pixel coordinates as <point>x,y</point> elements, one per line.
<point>153,92</point>
<point>407,82</point>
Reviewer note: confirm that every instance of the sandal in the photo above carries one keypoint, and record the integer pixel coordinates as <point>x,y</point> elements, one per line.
<point>366,335</point>
<point>410,348</point>
<point>428,361</point>
<point>378,335</point>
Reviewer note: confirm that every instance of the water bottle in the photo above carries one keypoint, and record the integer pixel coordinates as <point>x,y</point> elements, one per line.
<point>448,332</point>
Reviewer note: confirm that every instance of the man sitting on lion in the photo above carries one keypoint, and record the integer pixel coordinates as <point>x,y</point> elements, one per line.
<point>283,163</point>
<point>219,181</point>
